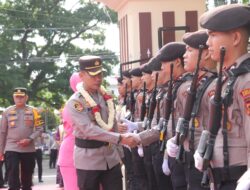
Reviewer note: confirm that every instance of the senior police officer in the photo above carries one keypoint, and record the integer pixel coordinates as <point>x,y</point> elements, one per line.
<point>92,114</point>
<point>21,125</point>
<point>228,26</point>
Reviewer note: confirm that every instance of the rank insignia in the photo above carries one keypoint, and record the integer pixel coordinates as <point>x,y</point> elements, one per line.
<point>245,94</point>
<point>78,106</point>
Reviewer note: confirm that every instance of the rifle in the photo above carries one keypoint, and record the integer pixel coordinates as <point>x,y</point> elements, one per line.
<point>143,105</point>
<point>152,104</point>
<point>163,123</point>
<point>132,103</point>
<point>215,115</point>
<point>183,122</point>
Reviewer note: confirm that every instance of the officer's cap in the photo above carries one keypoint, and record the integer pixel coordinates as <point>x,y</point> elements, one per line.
<point>195,39</point>
<point>20,91</point>
<point>119,80</point>
<point>155,64</point>
<point>226,17</point>
<point>136,72</point>
<point>126,74</point>
<point>171,51</point>
<point>91,64</point>
<point>146,69</point>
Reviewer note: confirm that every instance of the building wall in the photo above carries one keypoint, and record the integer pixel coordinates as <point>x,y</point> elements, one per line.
<point>133,13</point>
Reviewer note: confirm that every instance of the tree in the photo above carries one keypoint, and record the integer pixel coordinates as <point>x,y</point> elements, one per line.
<point>35,34</point>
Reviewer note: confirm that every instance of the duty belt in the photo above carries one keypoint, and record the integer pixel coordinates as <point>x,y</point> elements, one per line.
<point>228,174</point>
<point>83,143</point>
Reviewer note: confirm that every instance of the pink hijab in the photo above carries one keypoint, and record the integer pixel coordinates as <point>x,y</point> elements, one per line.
<point>74,80</point>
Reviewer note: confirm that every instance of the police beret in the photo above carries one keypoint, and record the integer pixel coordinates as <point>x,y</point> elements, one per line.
<point>226,17</point>
<point>195,39</point>
<point>126,74</point>
<point>154,64</point>
<point>91,64</point>
<point>20,91</point>
<point>146,69</point>
<point>171,51</point>
<point>136,72</point>
<point>119,80</point>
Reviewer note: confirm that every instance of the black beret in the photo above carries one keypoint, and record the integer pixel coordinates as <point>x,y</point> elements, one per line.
<point>91,64</point>
<point>195,39</point>
<point>126,74</point>
<point>119,80</point>
<point>20,91</point>
<point>154,64</point>
<point>146,69</point>
<point>171,51</point>
<point>226,17</point>
<point>136,72</point>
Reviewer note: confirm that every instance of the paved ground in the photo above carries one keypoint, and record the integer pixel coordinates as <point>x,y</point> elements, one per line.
<point>49,178</point>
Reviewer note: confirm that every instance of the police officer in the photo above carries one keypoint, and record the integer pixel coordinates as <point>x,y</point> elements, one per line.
<point>228,26</point>
<point>206,74</point>
<point>21,125</point>
<point>91,111</point>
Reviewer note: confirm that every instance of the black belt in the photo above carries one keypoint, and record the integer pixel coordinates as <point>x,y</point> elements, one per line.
<point>83,143</point>
<point>228,174</point>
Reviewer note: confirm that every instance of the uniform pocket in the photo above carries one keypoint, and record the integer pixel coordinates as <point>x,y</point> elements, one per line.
<point>28,120</point>
<point>12,121</point>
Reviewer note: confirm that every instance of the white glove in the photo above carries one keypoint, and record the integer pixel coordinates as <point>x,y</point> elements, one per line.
<point>198,161</point>
<point>165,167</point>
<point>172,148</point>
<point>131,125</point>
<point>140,151</point>
<point>244,181</point>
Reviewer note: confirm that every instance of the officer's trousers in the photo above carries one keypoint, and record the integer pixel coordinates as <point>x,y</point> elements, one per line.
<point>177,174</point>
<point>147,159</point>
<point>193,176</point>
<point>1,173</point>
<point>140,177</point>
<point>163,182</point>
<point>27,162</point>
<point>110,179</point>
<point>39,161</point>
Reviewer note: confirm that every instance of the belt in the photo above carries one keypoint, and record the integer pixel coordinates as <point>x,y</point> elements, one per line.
<point>228,174</point>
<point>83,143</point>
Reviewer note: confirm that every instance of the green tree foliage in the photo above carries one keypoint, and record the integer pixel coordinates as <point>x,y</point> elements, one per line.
<point>51,121</point>
<point>35,34</point>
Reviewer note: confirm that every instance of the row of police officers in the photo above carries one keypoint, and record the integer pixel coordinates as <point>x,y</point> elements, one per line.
<point>189,106</point>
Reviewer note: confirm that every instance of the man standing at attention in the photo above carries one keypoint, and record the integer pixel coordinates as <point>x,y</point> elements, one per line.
<point>21,124</point>
<point>92,115</point>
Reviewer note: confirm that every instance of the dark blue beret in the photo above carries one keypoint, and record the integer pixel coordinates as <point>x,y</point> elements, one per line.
<point>226,17</point>
<point>146,69</point>
<point>171,51</point>
<point>195,39</point>
<point>154,64</point>
<point>126,74</point>
<point>119,80</point>
<point>136,72</point>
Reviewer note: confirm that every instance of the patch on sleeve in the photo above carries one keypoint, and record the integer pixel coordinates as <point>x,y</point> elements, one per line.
<point>78,106</point>
<point>245,94</point>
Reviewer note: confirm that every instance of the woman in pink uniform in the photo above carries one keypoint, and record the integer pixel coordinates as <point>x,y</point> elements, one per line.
<point>65,158</point>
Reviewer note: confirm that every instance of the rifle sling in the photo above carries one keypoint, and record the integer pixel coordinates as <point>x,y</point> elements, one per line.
<point>177,84</point>
<point>227,101</point>
<point>200,92</point>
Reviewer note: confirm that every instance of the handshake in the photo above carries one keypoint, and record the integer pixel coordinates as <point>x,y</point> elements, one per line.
<point>130,139</point>
<point>127,137</point>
